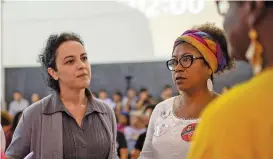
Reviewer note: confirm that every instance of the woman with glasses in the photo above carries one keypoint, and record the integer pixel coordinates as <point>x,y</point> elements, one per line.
<point>239,124</point>
<point>196,56</point>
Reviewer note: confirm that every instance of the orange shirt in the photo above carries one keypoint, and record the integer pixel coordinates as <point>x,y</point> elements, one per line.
<point>239,124</point>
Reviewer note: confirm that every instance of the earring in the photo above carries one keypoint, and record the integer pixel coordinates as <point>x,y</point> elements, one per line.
<point>254,52</point>
<point>210,84</point>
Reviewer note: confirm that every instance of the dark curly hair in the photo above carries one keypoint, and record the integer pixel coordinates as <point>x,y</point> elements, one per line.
<point>218,35</point>
<point>48,56</point>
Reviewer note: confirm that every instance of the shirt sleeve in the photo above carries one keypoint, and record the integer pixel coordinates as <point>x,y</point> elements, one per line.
<point>122,141</point>
<point>140,142</point>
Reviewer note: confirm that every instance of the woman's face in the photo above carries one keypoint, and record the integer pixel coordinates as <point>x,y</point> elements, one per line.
<point>35,98</point>
<point>196,75</point>
<point>123,120</point>
<point>73,69</point>
<point>116,97</point>
<point>236,27</point>
<point>131,93</point>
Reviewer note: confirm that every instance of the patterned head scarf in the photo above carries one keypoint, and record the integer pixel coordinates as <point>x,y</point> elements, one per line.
<point>209,48</point>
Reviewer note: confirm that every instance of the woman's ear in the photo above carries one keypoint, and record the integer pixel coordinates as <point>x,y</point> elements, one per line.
<point>53,73</point>
<point>210,71</point>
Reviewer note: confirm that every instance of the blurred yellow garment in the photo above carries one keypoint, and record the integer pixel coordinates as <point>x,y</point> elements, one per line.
<point>239,124</point>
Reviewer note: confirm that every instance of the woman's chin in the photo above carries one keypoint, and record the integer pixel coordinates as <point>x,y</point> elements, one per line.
<point>182,88</point>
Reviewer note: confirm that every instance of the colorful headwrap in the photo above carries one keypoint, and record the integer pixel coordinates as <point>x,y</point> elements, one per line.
<point>209,48</point>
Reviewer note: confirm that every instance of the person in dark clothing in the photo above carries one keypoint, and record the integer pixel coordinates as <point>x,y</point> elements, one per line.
<point>140,141</point>
<point>122,146</point>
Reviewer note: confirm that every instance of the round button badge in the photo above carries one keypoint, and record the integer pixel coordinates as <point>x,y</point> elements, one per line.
<point>188,131</point>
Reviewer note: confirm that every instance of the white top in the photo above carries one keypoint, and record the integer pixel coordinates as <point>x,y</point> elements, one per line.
<point>17,106</point>
<point>168,137</point>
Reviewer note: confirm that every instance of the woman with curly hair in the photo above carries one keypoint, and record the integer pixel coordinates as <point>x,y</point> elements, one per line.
<point>69,123</point>
<point>197,55</point>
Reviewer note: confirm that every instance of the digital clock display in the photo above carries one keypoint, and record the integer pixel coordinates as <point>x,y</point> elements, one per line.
<point>153,8</point>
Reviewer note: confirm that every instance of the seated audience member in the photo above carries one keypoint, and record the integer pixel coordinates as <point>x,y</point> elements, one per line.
<point>14,124</point>
<point>166,93</point>
<point>144,99</point>
<point>104,97</point>
<point>35,98</point>
<point>129,101</point>
<point>117,99</point>
<point>122,146</point>
<point>6,122</point>
<point>140,141</point>
<point>18,103</point>
<point>132,132</point>
<point>123,121</point>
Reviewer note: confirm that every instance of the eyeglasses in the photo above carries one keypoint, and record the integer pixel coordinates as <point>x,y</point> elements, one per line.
<point>222,7</point>
<point>185,61</point>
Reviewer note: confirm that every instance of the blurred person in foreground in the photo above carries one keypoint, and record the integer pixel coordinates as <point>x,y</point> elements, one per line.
<point>197,55</point>
<point>70,122</point>
<point>239,124</point>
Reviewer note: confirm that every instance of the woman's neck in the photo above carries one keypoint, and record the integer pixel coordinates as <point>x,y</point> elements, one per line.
<point>198,98</point>
<point>73,96</point>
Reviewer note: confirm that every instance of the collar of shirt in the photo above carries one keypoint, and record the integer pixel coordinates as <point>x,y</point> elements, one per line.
<point>56,104</point>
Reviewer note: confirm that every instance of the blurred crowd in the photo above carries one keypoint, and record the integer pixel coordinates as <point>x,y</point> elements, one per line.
<point>132,109</point>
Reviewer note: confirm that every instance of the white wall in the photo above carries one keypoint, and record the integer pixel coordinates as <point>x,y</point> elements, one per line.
<point>112,31</point>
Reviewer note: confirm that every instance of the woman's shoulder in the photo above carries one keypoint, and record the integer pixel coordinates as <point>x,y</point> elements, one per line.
<point>163,107</point>
<point>38,107</point>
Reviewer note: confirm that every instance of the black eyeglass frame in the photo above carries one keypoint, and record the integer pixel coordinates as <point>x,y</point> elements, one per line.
<point>193,58</point>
